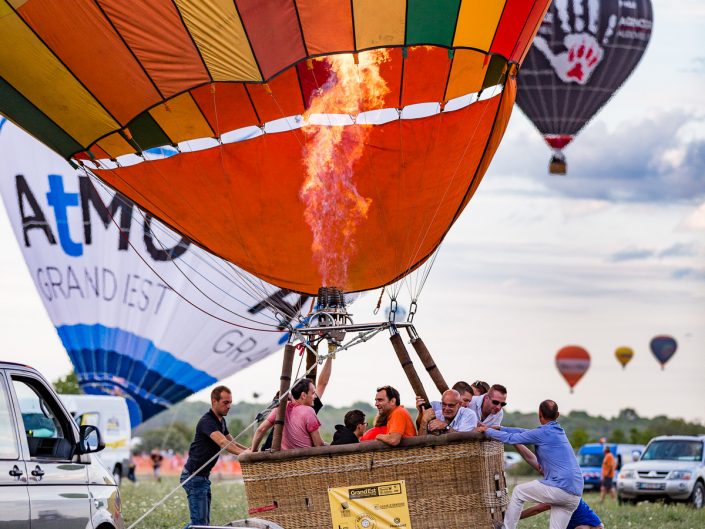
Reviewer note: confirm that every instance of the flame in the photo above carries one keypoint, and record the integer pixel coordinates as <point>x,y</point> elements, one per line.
<point>333,206</point>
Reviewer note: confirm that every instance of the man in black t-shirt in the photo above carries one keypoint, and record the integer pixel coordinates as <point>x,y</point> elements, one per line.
<point>211,437</point>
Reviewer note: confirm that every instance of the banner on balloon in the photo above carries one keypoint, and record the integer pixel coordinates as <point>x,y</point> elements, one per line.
<point>123,290</point>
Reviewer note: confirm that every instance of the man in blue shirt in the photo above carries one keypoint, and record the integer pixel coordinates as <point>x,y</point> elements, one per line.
<point>562,484</point>
<point>583,517</point>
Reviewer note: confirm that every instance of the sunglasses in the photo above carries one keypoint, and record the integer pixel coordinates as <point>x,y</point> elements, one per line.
<point>498,403</point>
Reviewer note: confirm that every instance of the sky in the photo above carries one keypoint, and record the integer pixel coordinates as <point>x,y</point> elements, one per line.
<point>611,254</point>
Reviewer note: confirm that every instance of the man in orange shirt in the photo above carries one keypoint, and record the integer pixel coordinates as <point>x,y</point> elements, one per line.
<point>399,422</point>
<point>608,467</point>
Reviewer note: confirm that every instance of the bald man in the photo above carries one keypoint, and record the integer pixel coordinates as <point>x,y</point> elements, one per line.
<point>445,416</point>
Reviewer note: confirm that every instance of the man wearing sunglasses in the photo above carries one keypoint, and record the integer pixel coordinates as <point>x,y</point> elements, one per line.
<point>488,407</point>
<point>445,416</point>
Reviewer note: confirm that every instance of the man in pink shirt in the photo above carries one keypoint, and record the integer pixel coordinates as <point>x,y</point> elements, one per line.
<point>301,426</point>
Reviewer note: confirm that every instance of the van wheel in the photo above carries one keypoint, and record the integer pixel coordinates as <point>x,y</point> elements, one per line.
<point>697,498</point>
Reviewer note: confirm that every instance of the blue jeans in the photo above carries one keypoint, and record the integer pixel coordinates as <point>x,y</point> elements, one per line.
<point>198,491</point>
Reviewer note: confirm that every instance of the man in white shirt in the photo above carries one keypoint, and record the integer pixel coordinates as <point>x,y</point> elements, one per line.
<point>488,407</point>
<point>445,416</point>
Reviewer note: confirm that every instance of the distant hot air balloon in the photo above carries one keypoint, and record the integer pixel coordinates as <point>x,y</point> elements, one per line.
<point>583,52</point>
<point>663,347</point>
<point>572,361</point>
<point>624,355</point>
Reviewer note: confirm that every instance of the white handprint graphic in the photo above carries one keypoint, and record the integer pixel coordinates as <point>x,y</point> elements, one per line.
<point>583,48</point>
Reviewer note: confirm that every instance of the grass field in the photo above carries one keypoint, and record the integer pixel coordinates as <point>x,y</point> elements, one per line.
<point>229,504</point>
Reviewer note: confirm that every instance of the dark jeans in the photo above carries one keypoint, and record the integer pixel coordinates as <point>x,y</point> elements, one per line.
<point>198,491</point>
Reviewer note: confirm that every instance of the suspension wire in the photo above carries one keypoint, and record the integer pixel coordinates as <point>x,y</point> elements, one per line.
<point>422,239</point>
<point>260,292</point>
<point>379,301</point>
<point>360,338</point>
<point>263,290</point>
<point>406,279</point>
<point>182,296</point>
<point>198,254</point>
<point>152,362</point>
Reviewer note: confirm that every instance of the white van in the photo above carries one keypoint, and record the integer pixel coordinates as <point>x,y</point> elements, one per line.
<point>111,416</point>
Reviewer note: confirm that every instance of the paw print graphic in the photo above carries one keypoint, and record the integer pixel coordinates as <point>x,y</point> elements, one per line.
<point>583,47</point>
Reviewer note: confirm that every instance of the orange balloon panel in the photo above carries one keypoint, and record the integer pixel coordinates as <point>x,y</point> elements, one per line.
<point>573,362</point>
<point>242,200</point>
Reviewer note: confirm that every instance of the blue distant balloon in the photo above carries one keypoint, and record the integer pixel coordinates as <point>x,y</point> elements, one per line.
<point>663,347</point>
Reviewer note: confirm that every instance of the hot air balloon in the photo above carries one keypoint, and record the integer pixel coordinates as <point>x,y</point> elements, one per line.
<point>572,362</point>
<point>356,115</point>
<point>120,313</point>
<point>663,347</point>
<point>583,52</point>
<point>624,355</point>
<point>324,147</point>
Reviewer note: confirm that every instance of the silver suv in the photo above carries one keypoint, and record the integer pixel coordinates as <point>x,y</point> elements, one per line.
<point>672,467</point>
<point>48,478</point>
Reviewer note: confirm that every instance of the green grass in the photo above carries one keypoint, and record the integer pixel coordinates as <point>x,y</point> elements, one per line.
<point>229,504</point>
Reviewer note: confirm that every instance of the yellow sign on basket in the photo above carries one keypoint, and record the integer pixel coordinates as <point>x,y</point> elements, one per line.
<point>375,506</point>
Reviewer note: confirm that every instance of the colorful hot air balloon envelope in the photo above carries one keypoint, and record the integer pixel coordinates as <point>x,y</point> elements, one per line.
<point>624,355</point>
<point>320,143</point>
<point>583,52</point>
<point>572,362</point>
<point>663,347</point>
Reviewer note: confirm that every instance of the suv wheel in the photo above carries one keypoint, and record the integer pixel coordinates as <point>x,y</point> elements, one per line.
<point>697,498</point>
<point>626,501</point>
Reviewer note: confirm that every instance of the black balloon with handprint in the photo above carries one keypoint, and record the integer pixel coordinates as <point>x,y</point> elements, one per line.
<point>583,52</point>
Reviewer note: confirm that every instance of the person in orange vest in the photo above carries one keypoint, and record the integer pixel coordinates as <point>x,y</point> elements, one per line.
<point>609,466</point>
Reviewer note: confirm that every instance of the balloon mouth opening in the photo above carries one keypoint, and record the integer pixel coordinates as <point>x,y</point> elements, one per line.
<point>330,298</point>
<point>331,315</point>
<point>558,141</point>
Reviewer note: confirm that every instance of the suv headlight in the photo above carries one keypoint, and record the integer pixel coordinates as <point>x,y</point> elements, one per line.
<point>680,474</point>
<point>627,474</point>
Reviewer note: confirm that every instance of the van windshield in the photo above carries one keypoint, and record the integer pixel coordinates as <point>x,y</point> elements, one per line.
<point>674,451</point>
<point>590,460</point>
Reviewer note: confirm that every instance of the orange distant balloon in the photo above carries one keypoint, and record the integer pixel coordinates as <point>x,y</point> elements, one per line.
<point>572,361</point>
<point>624,355</point>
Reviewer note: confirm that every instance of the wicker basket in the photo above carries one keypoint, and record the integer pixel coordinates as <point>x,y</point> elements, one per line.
<point>454,481</point>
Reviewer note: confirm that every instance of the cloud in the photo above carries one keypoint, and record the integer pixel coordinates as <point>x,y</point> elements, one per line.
<point>656,159</point>
<point>697,66</point>
<point>631,254</point>
<point>679,250</point>
<point>689,273</point>
<point>640,254</point>
<point>696,220</point>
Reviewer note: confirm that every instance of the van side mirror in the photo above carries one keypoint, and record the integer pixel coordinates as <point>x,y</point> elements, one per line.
<point>89,439</point>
